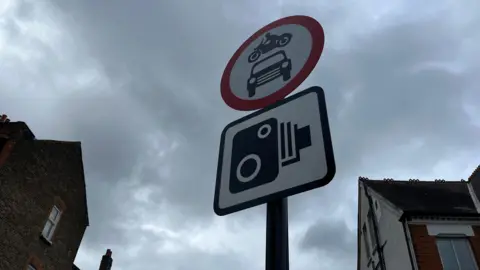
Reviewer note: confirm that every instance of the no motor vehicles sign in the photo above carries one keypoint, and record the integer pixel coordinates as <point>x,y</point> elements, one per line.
<point>272,63</point>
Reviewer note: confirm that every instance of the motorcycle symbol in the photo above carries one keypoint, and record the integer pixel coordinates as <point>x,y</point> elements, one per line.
<point>269,42</point>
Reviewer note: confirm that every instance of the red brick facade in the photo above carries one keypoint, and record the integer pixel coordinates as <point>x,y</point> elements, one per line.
<point>425,247</point>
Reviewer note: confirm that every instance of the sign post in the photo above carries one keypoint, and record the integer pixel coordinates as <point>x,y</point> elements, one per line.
<point>276,255</point>
<point>285,147</point>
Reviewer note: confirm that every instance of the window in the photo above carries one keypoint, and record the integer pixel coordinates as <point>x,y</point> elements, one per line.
<point>370,221</point>
<point>456,253</point>
<point>51,223</point>
<point>31,267</point>
<point>365,240</point>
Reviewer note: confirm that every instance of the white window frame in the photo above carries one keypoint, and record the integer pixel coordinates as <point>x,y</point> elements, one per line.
<point>456,237</point>
<point>450,229</point>
<point>53,222</point>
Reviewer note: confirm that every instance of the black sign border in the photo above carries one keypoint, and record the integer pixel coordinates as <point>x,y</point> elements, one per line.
<point>328,146</point>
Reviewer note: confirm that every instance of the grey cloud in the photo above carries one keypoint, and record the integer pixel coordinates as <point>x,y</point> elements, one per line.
<point>393,103</point>
<point>148,250</point>
<point>334,239</point>
<point>390,103</point>
<point>112,131</point>
<point>149,259</point>
<point>182,106</point>
<point>167,60</point>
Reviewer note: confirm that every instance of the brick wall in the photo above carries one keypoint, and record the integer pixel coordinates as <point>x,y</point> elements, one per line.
<point>425,248</point>
<point>36,175</point>
<point>426,251</point>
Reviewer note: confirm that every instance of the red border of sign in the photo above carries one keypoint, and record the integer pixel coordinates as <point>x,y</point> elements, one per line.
<point>318,39</point>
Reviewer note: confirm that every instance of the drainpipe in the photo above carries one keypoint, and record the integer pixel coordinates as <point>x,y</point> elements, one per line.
<point>409,242</point>
<point>379,249</point>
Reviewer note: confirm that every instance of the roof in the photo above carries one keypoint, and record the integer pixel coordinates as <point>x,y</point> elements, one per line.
<point>426,197</point>
<point>16,130</point>
<point>475,174</point>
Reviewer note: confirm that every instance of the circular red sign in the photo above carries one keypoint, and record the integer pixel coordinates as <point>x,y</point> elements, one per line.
<point>318,41</point>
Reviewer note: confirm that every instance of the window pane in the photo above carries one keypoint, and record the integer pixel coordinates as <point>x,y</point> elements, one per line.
<point>464,254</point>
<point>31,267</point>
<point>447,254</point>
<point>47,229</point>
<point>58,216</point>
<point>54,214</point>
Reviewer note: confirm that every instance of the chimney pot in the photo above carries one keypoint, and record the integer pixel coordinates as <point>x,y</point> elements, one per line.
<point>107,261</point>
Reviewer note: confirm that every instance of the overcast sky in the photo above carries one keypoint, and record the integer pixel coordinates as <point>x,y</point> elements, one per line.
<point>137,82</point>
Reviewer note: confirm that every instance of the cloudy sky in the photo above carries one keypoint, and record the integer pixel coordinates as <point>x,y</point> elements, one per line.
<point>137,82</point>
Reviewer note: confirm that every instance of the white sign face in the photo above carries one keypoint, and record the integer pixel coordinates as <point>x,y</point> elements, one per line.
<point>276,152</point>
<point>272,63</point>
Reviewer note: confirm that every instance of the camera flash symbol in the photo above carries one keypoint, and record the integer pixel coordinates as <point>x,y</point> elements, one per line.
<point>292,140</point>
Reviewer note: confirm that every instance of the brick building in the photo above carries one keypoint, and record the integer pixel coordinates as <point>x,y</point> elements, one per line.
<point>419,225</point>
<point>43,205</point>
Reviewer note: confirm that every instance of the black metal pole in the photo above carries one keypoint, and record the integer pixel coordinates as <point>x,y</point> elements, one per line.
<point>277,235</point>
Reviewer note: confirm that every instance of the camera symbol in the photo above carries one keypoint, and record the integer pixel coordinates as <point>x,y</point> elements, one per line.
<point>259,151</point>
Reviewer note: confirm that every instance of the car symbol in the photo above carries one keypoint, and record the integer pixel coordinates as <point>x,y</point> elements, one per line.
<point>267,70</point>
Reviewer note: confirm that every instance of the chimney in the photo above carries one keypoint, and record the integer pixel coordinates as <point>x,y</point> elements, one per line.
<point>4,119</point>
<point>14,130</point>
<point>107,261</point>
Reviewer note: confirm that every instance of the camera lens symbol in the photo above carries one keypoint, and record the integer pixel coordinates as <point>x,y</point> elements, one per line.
<point>264,131</point>
<point>245,167</point>
<point>255,156</point>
